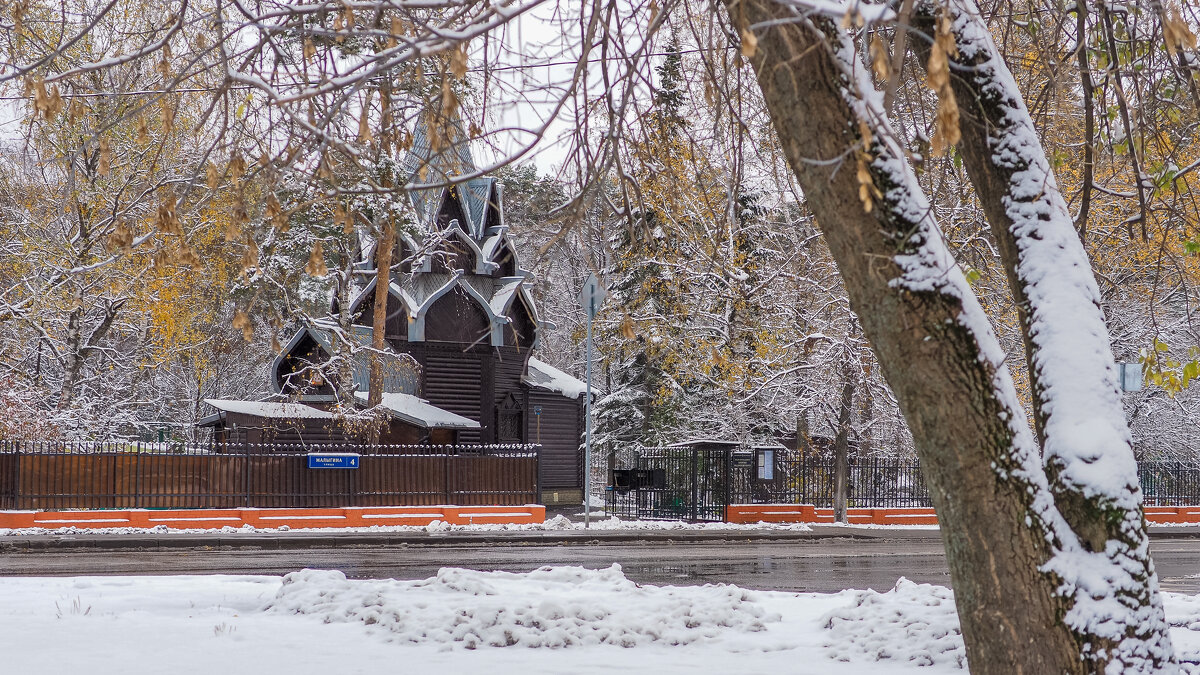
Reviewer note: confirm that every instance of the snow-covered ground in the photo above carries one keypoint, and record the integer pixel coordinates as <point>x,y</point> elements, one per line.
<point>552,620</point>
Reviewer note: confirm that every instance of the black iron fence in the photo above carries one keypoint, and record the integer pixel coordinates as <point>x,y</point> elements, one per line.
<point>698,483</point>
<point>102,475</point>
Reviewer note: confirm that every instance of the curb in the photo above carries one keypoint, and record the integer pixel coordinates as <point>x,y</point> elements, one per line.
<point>32,544</point>
<point>332,539</point>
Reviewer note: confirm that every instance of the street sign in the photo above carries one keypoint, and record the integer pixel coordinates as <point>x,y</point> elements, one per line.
<point>1130,375</point>
<point>592,296</point>
<point>332,460</point>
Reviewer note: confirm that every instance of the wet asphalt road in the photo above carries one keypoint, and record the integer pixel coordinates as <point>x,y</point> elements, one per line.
<point>823,565</point>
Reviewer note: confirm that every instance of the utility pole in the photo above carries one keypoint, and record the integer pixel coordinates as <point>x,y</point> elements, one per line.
<point>590,298</point>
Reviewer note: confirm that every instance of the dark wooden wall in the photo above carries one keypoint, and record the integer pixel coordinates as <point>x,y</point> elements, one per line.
<point>559,430</point>
<point>452,379</point>
<point>457,317</point>
<point>251,429</point>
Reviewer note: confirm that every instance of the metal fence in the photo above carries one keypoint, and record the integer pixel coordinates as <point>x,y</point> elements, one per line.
<point>104,475</point>
<point>698,483</point>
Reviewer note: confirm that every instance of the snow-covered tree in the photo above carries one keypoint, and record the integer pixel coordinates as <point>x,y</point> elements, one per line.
<point>1045,534</point>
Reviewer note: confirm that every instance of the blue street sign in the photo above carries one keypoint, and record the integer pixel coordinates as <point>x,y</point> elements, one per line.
<point>332,460</point>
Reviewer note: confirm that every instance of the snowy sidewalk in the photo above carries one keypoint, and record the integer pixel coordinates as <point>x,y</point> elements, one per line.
<point>552,620</point>
<point>552,532</point>
<point>557,530</point>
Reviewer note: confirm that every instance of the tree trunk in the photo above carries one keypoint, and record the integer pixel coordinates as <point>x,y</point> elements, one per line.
<point>841,449</point>
<point>1076,401</point>
<point>383,279</point>
<point>932,339</point>
<point>72,358</point>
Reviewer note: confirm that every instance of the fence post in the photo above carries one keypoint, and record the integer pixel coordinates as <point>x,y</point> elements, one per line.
<point>17,479</point>
<point>137,476</point>
<point>537,474</point>
<point>695,483</point>
<point>446,457</point>
<point>728,481</point>
<point>246,470</point>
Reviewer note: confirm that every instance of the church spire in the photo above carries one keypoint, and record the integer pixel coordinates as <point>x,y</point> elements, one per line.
<point>440,152</point>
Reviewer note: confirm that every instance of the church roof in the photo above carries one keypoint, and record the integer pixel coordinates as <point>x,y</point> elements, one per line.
<point>398,376</point>
<point>461,244</point>
<point>421,413</point>
<point>545,376</point>
<point>424,165</point>
<point>270,409</point>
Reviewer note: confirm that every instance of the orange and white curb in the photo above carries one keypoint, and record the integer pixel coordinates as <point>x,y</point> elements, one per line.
<point>364,516</point>
<point>807,513</point>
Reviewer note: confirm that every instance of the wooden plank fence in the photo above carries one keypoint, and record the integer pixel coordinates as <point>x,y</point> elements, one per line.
<point>46,476</point>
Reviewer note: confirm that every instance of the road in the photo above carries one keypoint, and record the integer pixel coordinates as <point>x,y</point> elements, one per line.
<point>823,565</point>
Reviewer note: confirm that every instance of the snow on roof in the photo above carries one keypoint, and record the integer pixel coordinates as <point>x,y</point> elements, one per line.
<point>546,376</point>
<point>422,413</point>
<point>725,442</point>
<point>506,289</point>
<point>269,409</point>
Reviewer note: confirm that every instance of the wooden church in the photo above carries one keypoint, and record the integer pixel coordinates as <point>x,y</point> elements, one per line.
<point>461,329</point>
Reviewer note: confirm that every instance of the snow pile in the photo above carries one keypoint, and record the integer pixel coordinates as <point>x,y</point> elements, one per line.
<point>914,623</point>
<point>551,607</point>
<point>1183,616</point>
<point>614,523</point>
<point>559,522</point>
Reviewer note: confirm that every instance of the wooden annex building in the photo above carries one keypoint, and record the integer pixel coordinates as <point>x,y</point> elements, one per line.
<point>461,330</point>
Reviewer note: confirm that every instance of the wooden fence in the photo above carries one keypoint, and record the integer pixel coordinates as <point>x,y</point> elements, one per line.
<point>115,475</point>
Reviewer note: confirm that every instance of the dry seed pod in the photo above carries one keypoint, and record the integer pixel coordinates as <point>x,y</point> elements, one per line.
<point>364,121</point>
<point>867,191</point>
<point>104,162</point>
<point>458,61</point>
<point>55,104</point>
<point>449,98</point>
<point>121,236</point>
<point>241,321</point>
<point>166,220</point>
<point>749,43</point>
<point>75,110</point>
<point>627,330</point>
<point>168,116</point>
<point>880,61</point>
<point>250,259</point>
<point>143,131</point>
<point>213,176</point>
<point>188,257</point>
<point>237,165</point>
<point>316,261</point>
